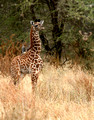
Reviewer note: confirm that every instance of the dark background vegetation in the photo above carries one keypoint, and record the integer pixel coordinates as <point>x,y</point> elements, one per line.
<point>60,39</point>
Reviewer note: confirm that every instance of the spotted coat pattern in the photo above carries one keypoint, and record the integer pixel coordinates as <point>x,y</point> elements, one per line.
<point>30,62</point>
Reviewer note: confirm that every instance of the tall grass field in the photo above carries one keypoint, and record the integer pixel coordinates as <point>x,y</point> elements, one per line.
<point>61,94</point>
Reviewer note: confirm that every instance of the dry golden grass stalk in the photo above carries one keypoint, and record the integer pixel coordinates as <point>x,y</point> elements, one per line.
<point>9,50</point>
<point>61,94</point>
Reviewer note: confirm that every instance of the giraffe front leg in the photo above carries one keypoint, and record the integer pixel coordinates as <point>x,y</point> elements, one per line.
<point>34,78</point>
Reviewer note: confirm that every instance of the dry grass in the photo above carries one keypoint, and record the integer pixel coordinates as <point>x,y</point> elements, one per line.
<point>8,50</point>
<point>61,94</point>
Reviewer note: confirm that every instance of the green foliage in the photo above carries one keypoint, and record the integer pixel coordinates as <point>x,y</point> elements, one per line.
<point>63,19</point>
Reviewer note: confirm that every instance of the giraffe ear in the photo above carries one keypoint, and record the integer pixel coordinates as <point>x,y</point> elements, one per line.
<point>90,33</point>
<point>41,22</point>
<point>32,22</point>
<point>80,32</point>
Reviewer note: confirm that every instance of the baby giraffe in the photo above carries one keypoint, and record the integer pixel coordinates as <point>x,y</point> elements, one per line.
<point>29,62</point>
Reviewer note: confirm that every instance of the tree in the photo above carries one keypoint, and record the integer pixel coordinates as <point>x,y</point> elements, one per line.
<point>63,19</point>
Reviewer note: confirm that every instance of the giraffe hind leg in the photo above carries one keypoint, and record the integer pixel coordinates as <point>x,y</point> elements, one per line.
<point>15,78</point>
<point>15,73</point>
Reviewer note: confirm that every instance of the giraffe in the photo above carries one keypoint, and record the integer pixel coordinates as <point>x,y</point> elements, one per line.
<point>85,35</point>
<point>29,62</point>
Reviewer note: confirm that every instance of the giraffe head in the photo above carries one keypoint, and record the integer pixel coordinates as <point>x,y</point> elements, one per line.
<point>37,25</point>
<point>85,35</point>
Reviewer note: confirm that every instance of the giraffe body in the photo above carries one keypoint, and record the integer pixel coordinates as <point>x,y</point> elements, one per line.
<point>29,62</point>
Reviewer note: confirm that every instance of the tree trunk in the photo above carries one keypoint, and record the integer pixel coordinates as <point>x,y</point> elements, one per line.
<point>45,42</point>
<point>56,31</point>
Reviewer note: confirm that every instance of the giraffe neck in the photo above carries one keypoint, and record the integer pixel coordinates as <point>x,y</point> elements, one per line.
<point>35,40</point>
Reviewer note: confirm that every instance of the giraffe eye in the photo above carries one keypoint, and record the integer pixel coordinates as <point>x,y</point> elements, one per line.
<point>36,25</point>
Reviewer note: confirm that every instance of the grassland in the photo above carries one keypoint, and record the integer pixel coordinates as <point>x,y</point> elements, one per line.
<point>61,94</point>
